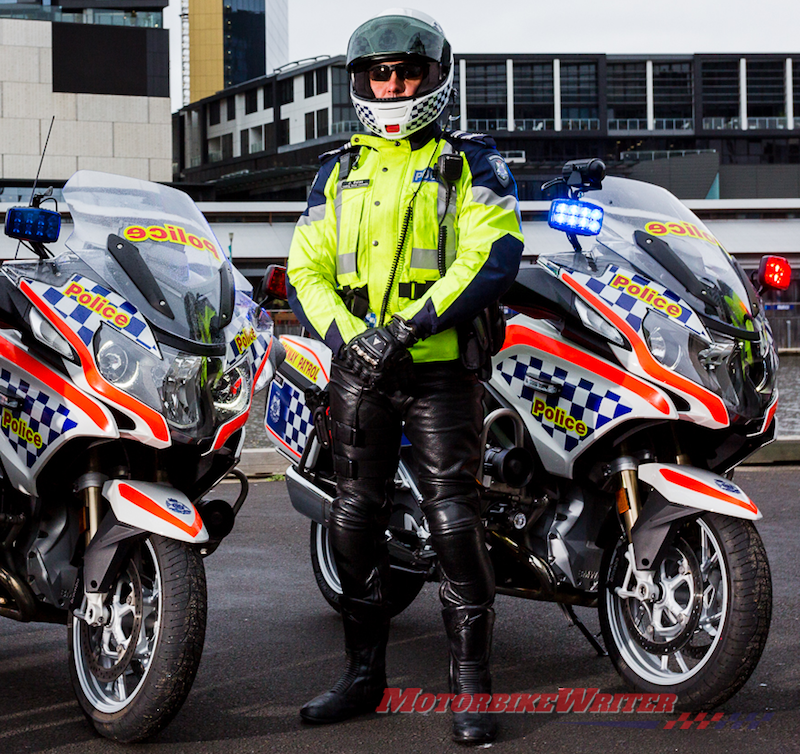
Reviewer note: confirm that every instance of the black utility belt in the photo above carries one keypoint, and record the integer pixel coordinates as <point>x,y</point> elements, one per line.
<point>414,290</point>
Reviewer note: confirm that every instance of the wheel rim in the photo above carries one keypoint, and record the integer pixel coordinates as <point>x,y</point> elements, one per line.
<point>112,661</point>
<point>327,565</point>
<point>687,619</point>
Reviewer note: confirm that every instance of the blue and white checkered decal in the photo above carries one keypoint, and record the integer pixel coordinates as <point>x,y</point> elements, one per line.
<point>634,299</point>
<point>40,420</point>
<point>288,416</point>
<point>93,306</point>
<point>584,401</point>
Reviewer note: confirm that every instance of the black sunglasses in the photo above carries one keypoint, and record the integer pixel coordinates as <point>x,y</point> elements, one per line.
<point>383,71</point>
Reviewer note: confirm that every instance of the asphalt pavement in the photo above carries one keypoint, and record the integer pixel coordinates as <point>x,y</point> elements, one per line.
<point>272,643</point>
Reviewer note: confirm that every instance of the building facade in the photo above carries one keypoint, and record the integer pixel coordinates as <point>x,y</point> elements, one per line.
<point>232,41</point>
<point>704,126</point>
<point>112,115</point>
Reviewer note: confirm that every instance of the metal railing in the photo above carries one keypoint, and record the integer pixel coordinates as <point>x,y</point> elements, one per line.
<point>720,124</point>
<point>487,124</point>
<point>661,154</point>
<point>674,124</point>
<point>534,124</point>
<point>766,123</point>
<point>347,127</point>
<point>627,124</point>
<point>580,124</point>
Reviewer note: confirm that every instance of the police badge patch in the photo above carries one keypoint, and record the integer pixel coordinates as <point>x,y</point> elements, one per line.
<point>500,169</point>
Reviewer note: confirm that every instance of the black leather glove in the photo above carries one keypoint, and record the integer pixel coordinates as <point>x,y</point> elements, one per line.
<point>379,356</point>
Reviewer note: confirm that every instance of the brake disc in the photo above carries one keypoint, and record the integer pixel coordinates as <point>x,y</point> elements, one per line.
<point>92,637</point>
<point>638,615</point>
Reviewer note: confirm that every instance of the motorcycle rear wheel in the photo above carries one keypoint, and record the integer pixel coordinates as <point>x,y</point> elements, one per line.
<point>405,585</point>
<point>703,636</point>
<point>132,675</point>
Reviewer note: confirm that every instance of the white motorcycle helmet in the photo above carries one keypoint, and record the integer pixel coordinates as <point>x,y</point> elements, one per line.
<point>418,42</point>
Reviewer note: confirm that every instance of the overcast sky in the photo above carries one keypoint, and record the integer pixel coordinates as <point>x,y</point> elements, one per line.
<point>322,27</point>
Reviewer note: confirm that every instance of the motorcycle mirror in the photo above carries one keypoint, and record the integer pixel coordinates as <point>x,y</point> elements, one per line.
<point>774,272</point>
<point>272,285</point>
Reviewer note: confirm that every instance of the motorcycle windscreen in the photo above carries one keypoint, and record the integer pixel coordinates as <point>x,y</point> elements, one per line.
<point>649,233</point>
<point>152,244</point>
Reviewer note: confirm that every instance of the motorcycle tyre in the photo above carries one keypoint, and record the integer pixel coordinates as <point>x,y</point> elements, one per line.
<point>176,651</point>
<point>405,586</point>
<point>745,629</point>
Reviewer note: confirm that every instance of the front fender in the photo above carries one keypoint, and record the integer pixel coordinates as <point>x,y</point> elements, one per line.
<point>699,489</point>
<point>156,508</point>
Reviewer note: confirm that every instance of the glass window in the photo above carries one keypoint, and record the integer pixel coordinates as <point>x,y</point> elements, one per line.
<point>719,80</point>
<point>285,91</point>
<point>487,96</point>
<point>579,92</point>
<point>673,90</point>
<point>283,133</point>
<point>245,142</point>
<point>310,120</point>
<point>213,113</point>
<point>626,94</point>
<point>227,146</point>
<point>231,106</point>
<point>269,137</point>
<point>322,80</point>
<point>309,84</point>
<point>268,94</point>
<point>244,40</point>
<point>322,122</point>
<point>766,88</point>
<point>250,101</point>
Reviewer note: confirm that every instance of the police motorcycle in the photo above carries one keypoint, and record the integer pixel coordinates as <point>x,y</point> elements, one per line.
<point>128,365</point>
<point>638,369</point>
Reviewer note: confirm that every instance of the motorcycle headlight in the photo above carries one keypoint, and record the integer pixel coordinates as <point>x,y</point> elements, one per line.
<point>128,366</point>
<point>182,391</point>
<point>231,394</point>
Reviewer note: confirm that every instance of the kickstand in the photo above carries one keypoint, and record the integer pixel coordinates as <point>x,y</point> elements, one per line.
<point>574,620</point>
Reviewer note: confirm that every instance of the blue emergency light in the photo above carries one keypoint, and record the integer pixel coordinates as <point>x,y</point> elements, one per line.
<point>33,224</point>
<point>574,216</point>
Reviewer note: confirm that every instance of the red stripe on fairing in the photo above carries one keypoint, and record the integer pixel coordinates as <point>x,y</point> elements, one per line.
<point>656,370</point>
<point>55,381</point>
<point>519,335</point>
<point>282,441</point>
<point>770,413</point>
<point>132,495</point>
<point>695,485</point>
<point>155,421</point>
<point>227,429</point>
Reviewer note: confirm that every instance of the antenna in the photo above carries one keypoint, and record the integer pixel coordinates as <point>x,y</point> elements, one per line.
<point>41,161</point>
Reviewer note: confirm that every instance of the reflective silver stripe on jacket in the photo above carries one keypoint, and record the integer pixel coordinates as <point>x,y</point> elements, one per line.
<point>315,214</point>
<point>486,196</point>
<point>425,259</point>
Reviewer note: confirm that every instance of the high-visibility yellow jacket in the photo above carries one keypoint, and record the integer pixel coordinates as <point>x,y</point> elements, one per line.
<point>349,238</point>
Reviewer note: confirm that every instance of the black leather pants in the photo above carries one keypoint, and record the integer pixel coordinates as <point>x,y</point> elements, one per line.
<point>443,418</point>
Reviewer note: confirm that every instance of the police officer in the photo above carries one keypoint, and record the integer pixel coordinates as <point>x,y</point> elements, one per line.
<point>410,233</point>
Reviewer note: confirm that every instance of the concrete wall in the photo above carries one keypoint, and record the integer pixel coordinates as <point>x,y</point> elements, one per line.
<point>128,135</point>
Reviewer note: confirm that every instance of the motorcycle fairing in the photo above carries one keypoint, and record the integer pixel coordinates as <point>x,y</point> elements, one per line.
<point>156,508</point>
<point>770,414</point>
<point>52,411</point>
<point>698,488</point>
<point>85,304</point>
<point>288,420</point>
<point>705,408</point>
<point>150,426</point>
<point>590,395</point>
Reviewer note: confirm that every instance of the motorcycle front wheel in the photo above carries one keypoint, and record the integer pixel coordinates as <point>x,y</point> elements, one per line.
<point>702,634</point>
<point>132,674</point>
<point>404,588</point>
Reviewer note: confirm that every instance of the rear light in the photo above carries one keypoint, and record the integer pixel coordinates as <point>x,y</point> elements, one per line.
<point>273,285</point>
<point>774,272</point>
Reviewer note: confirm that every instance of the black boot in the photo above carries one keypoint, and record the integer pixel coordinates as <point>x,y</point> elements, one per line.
<point>361,687</point>
<point>469,629</point>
